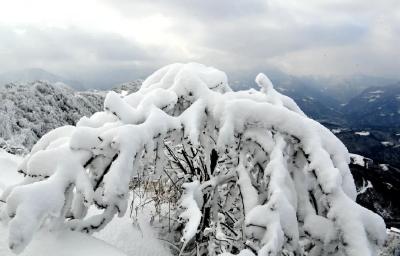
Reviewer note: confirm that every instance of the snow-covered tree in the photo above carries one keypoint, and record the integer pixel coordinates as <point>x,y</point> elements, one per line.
<point>30,110</point>
<point>238,172</point>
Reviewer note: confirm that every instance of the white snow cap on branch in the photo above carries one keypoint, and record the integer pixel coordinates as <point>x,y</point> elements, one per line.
<point>290,172</point>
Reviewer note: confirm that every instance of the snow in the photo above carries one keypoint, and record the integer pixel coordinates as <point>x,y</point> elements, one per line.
<point>275,97</point>
<point>249,193</point>
<point>62,243</point>
<point>387,143</point>
<point>359,160</point>
<point>395,230</point>
<point>192,201</point>
<point>362,133</point>
<point>365,187</point>
<point>8,170</point>
<point>133,239</point>
<point>119,238</point>
<point>384,167</point>
<point>302,168</point>
<point>324,235</point>
<point>29,204</point>
<point>392,243</point>
<point>377,92</point>
<point>374,95</point>
<point>45,243</point>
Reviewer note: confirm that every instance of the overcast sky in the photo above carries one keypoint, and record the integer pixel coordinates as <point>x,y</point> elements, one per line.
<point>114,40</point>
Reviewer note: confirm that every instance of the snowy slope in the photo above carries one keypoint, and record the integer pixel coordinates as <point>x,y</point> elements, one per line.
<point>28,111</point>
<point>375,107</point>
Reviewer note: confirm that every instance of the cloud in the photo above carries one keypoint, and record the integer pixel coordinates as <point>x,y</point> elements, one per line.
<point>74,52</point>
<point>110,40</point>
<point>310,37</point>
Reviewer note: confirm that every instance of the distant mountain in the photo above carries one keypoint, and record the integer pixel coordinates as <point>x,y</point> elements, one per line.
<point>340,88</point>
<point>344,88</point>
<point>128,87</point>
<point>315,103</point>
<point>311,98</point>
<point>375,107</point>
<point>35,74</point>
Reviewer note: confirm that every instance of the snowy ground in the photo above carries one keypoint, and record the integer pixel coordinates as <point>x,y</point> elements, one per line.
<point>8,167</point>
<point>119,238</point>
<point>61,244</point>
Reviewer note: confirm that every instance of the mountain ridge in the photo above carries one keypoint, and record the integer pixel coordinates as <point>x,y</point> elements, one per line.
<point>36,74</point>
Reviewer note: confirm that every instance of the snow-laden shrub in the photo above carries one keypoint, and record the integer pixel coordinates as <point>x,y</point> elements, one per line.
<point>253,174</point>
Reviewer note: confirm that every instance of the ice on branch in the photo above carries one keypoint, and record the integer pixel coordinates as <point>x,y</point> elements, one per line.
<point>243,172</point>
